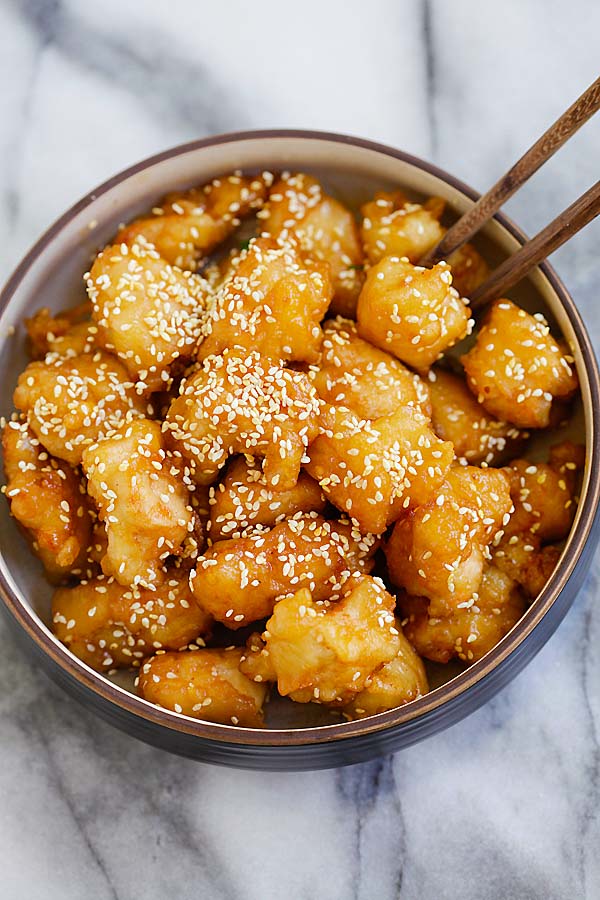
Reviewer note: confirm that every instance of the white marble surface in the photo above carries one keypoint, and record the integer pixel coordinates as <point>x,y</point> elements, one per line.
<point>504,805</point>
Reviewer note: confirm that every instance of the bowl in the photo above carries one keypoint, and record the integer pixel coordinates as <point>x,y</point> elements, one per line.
<point>51,275</point>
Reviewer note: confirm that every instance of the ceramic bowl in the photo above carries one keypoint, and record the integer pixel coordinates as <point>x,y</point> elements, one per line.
<point>51,275</point>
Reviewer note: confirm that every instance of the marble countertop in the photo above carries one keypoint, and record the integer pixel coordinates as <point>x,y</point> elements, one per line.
<point>505,804</point>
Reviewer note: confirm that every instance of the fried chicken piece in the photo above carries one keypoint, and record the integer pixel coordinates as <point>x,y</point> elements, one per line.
<point>204,684</point>
<point>142,499</point>
<point>244,405</point>
<point>457,416</point>
<point>396,683</point>
<point>243,500</point>
<point>48,500</point>
<point>238,580</point>
<point>110,626</point>
<point>68,331</point>
<point>149,312</point>
<point>412,312</point>
<point>70,402</point>
<point>469,269</point>
<point>393,226</point>
<point>373,470</point>
<point>324,229</point>
<point>471,629</point>
<point>516,369</point>
<point>438,550</point>
<point>187,225</point>
<point>327,652</point>
<point>355,374</point>
<point>272,302</point>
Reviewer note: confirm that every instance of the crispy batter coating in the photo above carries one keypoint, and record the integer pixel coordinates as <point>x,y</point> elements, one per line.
<point>393,226</point>
<point>327,652</point>
<point>324,228</point>
<point>438,549</point>
<point>457,416</point>
<point>244,405</point>
<point>70,402</point>
<point>142,499</point>
<point>373,470</point>
<point>469,631</point>
<point>48,500</point>
<point>238,580</point>
<point>544,497</point>
<point>67,331</point>
<point>411,312</point>
<point>469,269</point>
<point>272,302</point>
<point>204,684</point>
<point>243,500</point>
<point>397,682</point>
<point>110,626</point>
<point>187,225</point>
<point>149,312</point>
<point>355,374</point>
<point>516,368</point>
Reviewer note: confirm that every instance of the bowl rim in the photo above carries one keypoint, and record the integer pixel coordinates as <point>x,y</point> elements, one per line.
<point>130,703</point>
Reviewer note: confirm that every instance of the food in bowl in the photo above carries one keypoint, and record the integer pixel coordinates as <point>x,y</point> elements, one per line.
<point>261,467</point>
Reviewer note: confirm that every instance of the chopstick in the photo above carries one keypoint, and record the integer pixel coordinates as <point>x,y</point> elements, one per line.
<point>534,251</point>
<point>547,145</point>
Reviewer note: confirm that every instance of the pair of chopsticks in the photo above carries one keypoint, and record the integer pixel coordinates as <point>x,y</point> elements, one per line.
<point>563,227</point>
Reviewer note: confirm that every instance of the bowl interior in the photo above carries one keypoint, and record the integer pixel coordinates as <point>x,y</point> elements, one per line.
<point>53,278</point>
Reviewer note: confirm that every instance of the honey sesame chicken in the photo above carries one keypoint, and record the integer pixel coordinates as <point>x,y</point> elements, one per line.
<point>48,500</point>
<point>148,312</point>
<point>70,402</point>
<point>456,416</point>
<point>205,684</point>
<point>397,682</point>
<point>438,549</point>
<point>110,626</point>
<point>327,652</point>
<point>411,312</point>
<point>469,632</point>
<point>355,374</point>
<point>374,469</point>
<point>187,225</point>
<point>516,368</point>
<point>66,332</point>
<point>238,580</point>
<point>299,208</point>
<point>247,405</point>
<point>271,302</point>
<point>139,487</point>
<point>243,500</point>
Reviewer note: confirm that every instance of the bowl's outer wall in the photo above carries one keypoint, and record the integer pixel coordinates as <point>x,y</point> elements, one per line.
<point>53,277</point>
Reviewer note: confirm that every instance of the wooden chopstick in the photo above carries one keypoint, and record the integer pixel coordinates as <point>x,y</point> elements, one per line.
<point>558,133</point>
<point>534,251</point>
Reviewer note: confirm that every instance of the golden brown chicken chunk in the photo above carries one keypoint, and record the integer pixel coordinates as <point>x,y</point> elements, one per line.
<point>473,628</point>
<point>238,580</point>
<point>438,549</point>
<point>397,682</point>
<point>457,416</point>
<point>355,374</point>
<point>204,684</point>
<point>272,302</point>
<point>149,312</point>
<point>68,331</point>
<point>469,269</point>
<point>243,500</point>
<point>393,226</point>
<point>71,402</point>
<point>327,652</point>
<point>373,470</point>
<point>110,626</point>
<point>411,312</point>
<point>189,224</point>
<point>48,499</point>
<point>244,405</point>
<point>142,499</point>
<point>516,369</point>
<point>299,208</point>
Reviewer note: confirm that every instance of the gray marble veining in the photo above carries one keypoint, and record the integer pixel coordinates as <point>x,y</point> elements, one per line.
<point>504,805</point>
